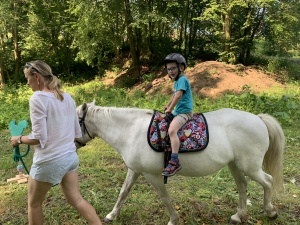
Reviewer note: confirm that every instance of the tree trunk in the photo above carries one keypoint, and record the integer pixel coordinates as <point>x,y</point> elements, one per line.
<point>150,34</point>
<point>186,27</point>
<point>1,65</point>
<point>132,42</point>
<point>254,31</point>
<point>180,41</point>
<point>150,41</point>
<point>16,44</point>
<point>16,53</point>
<point>227,34</point>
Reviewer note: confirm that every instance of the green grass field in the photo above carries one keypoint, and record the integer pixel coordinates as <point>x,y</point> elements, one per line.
<point>204,201</point>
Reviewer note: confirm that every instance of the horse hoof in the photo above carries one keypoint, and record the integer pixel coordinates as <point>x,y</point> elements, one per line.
<point>273,216</point>
<point>235,219</point>
<point>106,220</point>
<point>236,222</point>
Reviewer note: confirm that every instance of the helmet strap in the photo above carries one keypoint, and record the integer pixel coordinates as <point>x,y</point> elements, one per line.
<point>178,76</point>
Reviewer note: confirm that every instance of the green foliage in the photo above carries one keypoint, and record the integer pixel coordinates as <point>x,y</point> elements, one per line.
<point>97,31</point>
<point>290,68</point>
<point>14,105</point>
<point>284,104</point>
<point>282,28</point>
<point>286,108</point>
<point>80,39</point>
<point>46,35</point>
<point>148,77</point>
<point>274,65</point>
<point>286,67</point>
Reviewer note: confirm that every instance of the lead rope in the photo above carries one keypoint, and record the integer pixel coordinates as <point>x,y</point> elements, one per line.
<point>19,158</point>
<point>17,130</point>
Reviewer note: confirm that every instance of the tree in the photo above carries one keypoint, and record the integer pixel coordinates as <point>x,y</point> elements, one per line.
<point>133,42</point>
<point>255,13</point>
<point>11,17</point>
<point>282,27</point>
<point>99,31</point>
<point>46,37</point>
<point>4,38</point>
<point>77,35</point>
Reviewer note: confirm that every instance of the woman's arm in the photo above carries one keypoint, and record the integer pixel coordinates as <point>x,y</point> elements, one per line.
<point>24,140</point>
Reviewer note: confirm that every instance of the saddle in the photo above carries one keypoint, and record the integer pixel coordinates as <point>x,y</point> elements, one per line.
<point>193,135</point>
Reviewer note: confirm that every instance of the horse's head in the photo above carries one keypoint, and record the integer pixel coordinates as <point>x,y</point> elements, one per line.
<point>82,112</point>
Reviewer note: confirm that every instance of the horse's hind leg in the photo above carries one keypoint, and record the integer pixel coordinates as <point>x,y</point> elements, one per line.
<point>127,185</point>
<point>266,181</point>
<point>158,184</point>
<point>241,183</point>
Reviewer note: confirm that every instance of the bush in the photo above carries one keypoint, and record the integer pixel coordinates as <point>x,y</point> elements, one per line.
<point>283,104</point>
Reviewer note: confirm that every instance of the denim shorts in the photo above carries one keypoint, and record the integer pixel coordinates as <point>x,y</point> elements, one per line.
<point>54,172</point>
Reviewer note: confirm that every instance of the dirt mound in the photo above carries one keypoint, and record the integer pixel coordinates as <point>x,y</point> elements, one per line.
<point>210,79</point>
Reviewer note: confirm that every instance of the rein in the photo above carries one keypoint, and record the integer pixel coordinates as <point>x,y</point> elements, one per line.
<point>83,127</point>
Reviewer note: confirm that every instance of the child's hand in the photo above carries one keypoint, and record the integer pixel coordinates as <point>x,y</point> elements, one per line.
<point>165,108</point>
<point>168,110</point>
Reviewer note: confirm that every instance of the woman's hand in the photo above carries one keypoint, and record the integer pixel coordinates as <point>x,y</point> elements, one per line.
<point>14,141</point>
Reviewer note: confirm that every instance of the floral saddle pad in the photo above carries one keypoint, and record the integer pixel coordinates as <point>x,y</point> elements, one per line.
<point>193,135</point>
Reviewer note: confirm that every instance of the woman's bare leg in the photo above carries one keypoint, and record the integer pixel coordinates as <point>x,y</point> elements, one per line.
<point>70,188</point>
<point>36,195</point>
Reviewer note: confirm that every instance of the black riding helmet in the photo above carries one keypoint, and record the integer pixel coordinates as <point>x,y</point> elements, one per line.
<point>175,57</point>
<point>178,59</point>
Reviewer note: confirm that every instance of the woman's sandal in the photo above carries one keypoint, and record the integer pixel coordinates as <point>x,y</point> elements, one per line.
<point>171,169</point>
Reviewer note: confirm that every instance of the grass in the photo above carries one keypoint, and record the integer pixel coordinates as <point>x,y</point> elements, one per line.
<point>206,200</point>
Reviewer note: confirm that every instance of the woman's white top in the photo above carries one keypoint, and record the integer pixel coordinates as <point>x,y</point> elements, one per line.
<point>55,124</point>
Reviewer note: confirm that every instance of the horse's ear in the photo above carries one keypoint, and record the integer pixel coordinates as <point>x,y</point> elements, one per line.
<point>84,107</point>
<point>93,102</point>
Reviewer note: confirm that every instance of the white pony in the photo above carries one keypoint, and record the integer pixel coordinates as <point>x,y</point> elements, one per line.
<point>239,139</point>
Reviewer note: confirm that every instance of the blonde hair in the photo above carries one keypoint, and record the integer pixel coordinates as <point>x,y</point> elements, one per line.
<point>51,81</point>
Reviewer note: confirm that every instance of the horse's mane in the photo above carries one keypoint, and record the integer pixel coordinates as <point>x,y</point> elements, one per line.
<point>108,111</point>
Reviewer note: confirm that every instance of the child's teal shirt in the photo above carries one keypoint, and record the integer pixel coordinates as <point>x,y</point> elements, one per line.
<point>185,104</point>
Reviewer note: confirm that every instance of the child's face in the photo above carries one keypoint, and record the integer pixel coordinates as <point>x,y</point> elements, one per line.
<point>172,69</point>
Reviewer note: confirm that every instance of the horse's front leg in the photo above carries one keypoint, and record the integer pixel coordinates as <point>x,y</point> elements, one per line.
<point>158,184</point>
<point>127,185</point>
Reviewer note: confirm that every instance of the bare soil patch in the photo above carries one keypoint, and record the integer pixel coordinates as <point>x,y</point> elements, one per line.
<point>212,79</point>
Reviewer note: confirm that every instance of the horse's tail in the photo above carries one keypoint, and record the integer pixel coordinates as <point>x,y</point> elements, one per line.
<point>273,160</point>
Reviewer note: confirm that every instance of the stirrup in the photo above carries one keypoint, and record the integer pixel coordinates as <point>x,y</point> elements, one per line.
<point>170,171</point>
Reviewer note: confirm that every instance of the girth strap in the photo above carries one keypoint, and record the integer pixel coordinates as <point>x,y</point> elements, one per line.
<point>167,148</point>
